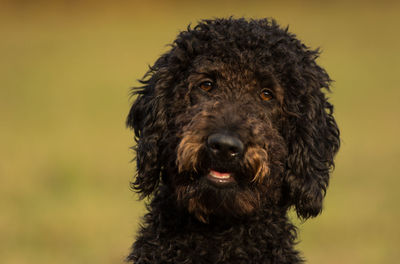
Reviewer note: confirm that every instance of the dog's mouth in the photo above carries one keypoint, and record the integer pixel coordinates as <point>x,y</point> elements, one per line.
<point>220,178</point>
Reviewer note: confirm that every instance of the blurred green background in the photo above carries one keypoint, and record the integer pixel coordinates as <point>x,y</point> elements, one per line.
<point>65,72</point>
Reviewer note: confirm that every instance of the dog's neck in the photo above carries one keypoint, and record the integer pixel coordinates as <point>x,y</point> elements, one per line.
<point>168,225</point>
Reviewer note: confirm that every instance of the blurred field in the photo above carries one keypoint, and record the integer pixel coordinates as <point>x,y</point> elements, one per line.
<point>65,73</point>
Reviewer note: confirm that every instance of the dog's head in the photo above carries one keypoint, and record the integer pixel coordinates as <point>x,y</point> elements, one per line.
<point>233,118</point>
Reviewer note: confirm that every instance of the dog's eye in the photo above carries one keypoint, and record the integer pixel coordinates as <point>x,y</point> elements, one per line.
<point>206,86</point>
<point>266,95</point>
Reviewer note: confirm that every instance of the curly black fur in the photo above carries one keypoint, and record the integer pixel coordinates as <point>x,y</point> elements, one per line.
<point>251,82</point>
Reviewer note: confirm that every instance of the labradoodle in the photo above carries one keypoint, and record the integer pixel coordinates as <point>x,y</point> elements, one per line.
<point>232,129</point>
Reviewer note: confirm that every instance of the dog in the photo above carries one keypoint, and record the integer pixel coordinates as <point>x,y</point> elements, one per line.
<point>232,129</point>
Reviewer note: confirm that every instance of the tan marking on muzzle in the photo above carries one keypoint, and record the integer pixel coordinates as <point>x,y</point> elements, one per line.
<point>257,159</point>
<point>188,151</point>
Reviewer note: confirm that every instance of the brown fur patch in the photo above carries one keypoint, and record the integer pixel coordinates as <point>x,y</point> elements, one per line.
<point>256,159</point>
<point>188,150</point>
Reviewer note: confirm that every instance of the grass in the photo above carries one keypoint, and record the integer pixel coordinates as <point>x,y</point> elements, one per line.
<point>66,70</point>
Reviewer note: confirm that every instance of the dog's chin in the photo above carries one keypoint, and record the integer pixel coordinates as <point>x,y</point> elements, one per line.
<point>218,194</point>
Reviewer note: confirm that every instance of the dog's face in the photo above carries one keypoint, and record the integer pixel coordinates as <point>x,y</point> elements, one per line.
<point>232,123</point>
<point>231,152</point>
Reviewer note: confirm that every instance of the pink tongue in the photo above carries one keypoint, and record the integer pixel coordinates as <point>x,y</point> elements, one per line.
<point>220,174</point>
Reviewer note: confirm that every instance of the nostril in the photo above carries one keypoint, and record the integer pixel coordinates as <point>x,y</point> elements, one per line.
<point>215,146</point>
<point>225,145</point>
<point>234,151</point>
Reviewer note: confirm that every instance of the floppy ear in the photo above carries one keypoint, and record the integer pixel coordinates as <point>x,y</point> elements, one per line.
<point>147,118</point>
<point>313,141</point>
<point>148,115</point>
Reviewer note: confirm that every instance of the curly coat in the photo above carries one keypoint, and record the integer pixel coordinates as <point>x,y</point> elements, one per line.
<point>256,90</point>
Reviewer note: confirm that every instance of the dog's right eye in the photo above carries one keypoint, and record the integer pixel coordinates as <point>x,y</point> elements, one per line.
<point>206,86</point>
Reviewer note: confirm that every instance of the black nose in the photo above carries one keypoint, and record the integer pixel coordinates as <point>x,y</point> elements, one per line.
<point>224,146</point>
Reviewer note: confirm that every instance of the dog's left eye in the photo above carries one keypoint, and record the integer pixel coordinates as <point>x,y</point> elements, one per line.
<point>206,86</point>
<point>266,95</point>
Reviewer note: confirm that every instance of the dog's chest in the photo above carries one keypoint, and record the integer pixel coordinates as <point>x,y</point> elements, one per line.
<point>253,242</point>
